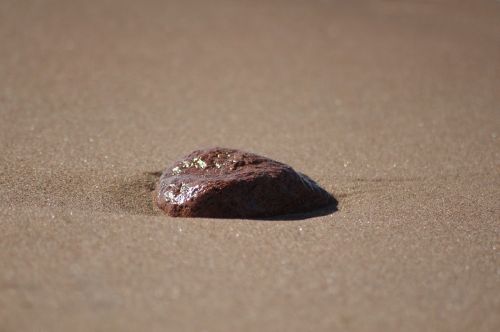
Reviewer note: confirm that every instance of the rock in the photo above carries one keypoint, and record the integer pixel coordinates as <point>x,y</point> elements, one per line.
<point>227,183</point>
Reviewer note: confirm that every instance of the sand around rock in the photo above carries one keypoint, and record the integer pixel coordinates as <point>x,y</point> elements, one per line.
<point>391,106</point>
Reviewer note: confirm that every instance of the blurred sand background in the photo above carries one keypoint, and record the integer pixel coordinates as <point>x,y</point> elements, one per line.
<point>393,106</point>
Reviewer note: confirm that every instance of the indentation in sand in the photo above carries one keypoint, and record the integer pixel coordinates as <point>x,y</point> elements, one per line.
<point>134,194</point>
<point>88,190</point>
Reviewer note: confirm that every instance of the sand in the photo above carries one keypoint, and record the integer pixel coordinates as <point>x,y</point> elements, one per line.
<point>393,106</point>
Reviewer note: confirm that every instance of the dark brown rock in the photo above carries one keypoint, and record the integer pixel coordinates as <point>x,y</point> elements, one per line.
<point>226,183</point>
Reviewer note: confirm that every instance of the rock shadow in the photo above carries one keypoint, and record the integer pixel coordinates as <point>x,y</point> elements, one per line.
<point>324,211</point>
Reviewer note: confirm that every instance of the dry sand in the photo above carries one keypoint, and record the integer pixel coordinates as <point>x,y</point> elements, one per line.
<point>391,105</point>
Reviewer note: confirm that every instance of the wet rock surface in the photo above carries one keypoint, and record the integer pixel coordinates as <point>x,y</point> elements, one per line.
<point>228,183</point>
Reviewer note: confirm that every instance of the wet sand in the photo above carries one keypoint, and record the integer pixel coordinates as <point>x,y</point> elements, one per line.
<point>393,106</point>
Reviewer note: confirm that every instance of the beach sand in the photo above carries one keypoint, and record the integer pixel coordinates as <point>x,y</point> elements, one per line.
<point>393,106</point>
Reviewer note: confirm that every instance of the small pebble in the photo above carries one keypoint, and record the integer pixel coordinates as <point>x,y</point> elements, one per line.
<point>228,183</point>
